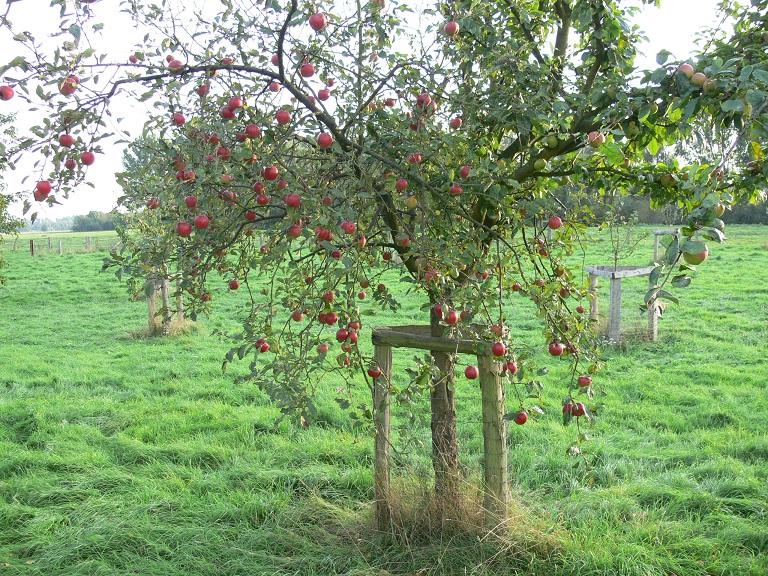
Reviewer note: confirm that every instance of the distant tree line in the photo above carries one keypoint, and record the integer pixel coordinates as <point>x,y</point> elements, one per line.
<point>91,222</point>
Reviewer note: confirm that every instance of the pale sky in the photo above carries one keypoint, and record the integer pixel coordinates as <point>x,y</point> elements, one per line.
<point>674,27</point>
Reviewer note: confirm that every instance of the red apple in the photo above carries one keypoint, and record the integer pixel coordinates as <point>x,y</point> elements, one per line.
<point>270,172</point>
<point>70,164</point>
<point>66,140</point>
<point>401,184</point>
<point>317,22</point>
<point>325,140</point>
<point>686,69</point>
<point>580,309</point>
<point>584,380</point>
<point>275,60</point>
<point>183,229</point>
<point>87,158</point>
<point>307,70</point>
<point>262,199</point>
<point>283,117</point>
<point>451,28</point>
<point>498,349</point>
<point>511,367</point>
<point>44,187</point>
<point>235,102</point>
<point>322,348</point>
<point>202,90</point>
<point>697,258</point>
<point>374,371</point>
<point>234,284</point>
<point>250,216</point>
<point>153,203</point>
<point>327,201</point>
<point>175,66</point>
<point>179,119</point>
<point>381,287</point>
<point>455,190</point>
<point>202,221</point>
<point>6,92</point>
<point>578,409</point>
<point>294,231</point>
<point>292,200</point>
<point>521,417</point>
<point>324,94</point>
<point>556,348</point>
<point>190,201</point>
<point>455,123</point>
<point>471,372</point>
<point>253,131</point>
<point>595,139</point>
<point>465,171</point>
<point>452,318</point>
<point>331,318</point>
<point>555,222</point>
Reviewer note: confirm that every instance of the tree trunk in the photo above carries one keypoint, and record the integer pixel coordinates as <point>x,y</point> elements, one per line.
<point>179,306</point>
<point>445,451</point>
<point>167,317</point>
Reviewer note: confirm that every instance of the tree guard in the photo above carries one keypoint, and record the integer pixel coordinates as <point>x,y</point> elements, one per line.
<point>495,484</point>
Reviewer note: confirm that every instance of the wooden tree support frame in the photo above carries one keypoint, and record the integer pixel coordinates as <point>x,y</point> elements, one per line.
<point>616,274</point>
<point>495,485</point>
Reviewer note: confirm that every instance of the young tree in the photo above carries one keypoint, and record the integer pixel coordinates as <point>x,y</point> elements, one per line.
<point>8,223</point>
<point>362,145</point>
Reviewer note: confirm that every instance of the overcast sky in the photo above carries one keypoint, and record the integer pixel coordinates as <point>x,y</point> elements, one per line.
<point>674,27</point>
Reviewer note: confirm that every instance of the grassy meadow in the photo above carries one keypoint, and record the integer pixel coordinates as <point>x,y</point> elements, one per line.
<point>121,454</point>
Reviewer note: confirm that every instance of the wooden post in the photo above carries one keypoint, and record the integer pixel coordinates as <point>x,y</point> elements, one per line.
<point>14,243</point>
<point>655,248</point>
<point>50,243</point>
<point>496,497</point>
<point>594,306</point>
<point>87,243</point>
<point>61,248</point>
<point>382,356</point>
<point>32,247</point>
<point>614,313</point>
<point>653,321</point>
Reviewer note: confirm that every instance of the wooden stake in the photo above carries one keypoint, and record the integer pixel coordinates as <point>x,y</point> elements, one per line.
<point>496,496</point>
<point>381,418</point>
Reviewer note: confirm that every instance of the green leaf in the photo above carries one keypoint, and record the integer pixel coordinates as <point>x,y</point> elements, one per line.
<point>662,57</point>
<point>672,251</point>
<point>681,281</point>
<point>732,106</point>
<point>693,247</point>
<point>713,234</point>
<point>75,31</point>
<point>667,296</point>
<point>613,153</point>
<point>653,279</point>
<point>760,75</point>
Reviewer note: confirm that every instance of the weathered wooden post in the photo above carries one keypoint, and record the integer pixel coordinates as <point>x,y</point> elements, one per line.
<point>496,495</point>
<point>653,320</point>
<point>32,247</point>
<point>614,310</point>
<point>382,357</point>
<point>594,305</point>
<point>61,248</point>
<point>87,243</point>
<point>50,243</point>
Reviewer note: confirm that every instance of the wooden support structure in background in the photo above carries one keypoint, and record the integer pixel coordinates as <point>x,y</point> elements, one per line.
<point>495,485</point>
<point>615,274</point>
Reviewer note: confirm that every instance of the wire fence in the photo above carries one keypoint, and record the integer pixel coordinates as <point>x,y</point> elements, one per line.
<point>61,244</point>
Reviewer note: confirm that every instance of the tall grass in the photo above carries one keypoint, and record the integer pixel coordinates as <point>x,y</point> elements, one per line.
<point>126,455</point>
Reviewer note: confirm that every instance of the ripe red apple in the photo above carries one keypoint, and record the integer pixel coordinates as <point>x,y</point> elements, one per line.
<point>361,295</point>
<point>336,254</point>
<point>342,334</point>
<point>374,371</point>
<point>595,139</point>
<point>401,184</point>
<point>307,70</point>
<point>6,92</point>
<point>331,318</point>
<point>153,203</point>
<point>68,87</point>
<point>455,123</point>
<point>44,187</point>
<point>327,201</point>
<point>584,380</point>
<point>498,349</point>
<point>556,348</point>
<point>293,200</point>
<point>202,221</point>
<point>87,158</point>
<point>66,140</point>
<point>70,164</point>
<point>324,94</point>
<point>521,417</point>
<point>235,102</point>
<point>415,158</point>
<point>578,409</point>
<point>555,222</point>
<point>202,90</point>
<point>517,286</point>
<point>389,102</point>
<point>451,29</point>
<point>511,367</point>
<point>294,231</point>
<point>250,216</point>
<point>183,229</point>
<point>275,60</point>
<point>270,172</point>
<point>325,140</point>
<point>179,119</point>
<point>227,113</point>
<point>471,372</point>
<point>175,66</point>
<point>686,69</point>
<point>465,171</point>
<point>580,309</point>
<point>317,22</point>
<point>381,287</point>
<point>283,117</point>
<point>452,318</point>
<point>234,284</point>
<point>190,201</point>
<point>274,87</point>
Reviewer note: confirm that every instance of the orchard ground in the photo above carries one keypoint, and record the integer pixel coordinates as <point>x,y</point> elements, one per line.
<point>129,455</point>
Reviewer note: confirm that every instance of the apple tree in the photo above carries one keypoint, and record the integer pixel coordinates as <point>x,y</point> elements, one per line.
<point>333,147</point>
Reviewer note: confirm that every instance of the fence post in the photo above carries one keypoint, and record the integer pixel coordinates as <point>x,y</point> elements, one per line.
<point>653,320</point>
<point>382,357</point>
<point>32,247</point>
<point>50,243</point>
<point>614,313</point>
<point>496,497</point>
<point>87,243</point>
<point>61,248</point>
<point>594,306</point>
<point>14,243</point>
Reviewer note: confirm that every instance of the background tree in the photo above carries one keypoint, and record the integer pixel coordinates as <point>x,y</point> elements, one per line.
<point>363,148</point>
<point>8,223</point>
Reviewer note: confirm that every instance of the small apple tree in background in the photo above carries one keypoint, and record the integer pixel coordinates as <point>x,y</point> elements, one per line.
<point>8,223</point>
<point>330,145</point>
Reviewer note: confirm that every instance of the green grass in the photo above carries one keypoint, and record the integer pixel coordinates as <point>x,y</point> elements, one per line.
<point>124,455</point>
